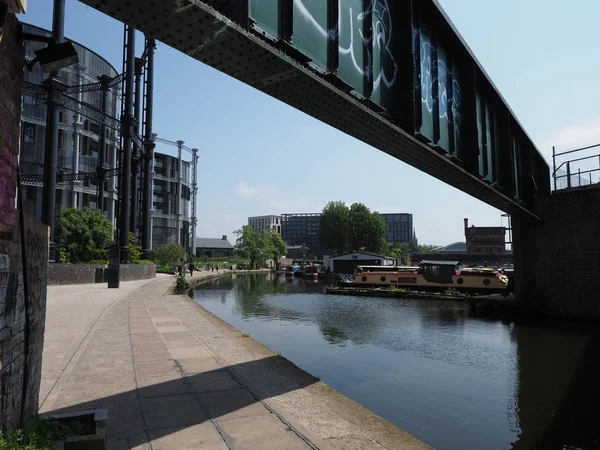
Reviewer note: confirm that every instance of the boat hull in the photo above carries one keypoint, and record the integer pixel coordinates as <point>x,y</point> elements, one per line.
<point>483,283</point>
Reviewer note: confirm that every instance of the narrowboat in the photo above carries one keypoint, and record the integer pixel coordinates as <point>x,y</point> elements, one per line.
<point>431,275</point>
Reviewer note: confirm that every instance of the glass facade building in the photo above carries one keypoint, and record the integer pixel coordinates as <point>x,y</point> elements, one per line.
<point>399,228</point>
<point>303,230</point>
<point>78,136</point>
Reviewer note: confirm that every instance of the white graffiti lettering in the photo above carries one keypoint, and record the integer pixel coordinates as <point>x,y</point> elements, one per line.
<point>433,85</point>
<point>380,42</point>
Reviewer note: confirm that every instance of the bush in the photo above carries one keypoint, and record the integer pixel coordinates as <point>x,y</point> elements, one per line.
<point>182,285</point>
<point>37,435</point>
<point>99,261</point>
<point>84,234</point>
<point>168,254</point>
<point>143,261</point>
<point>165,269</point>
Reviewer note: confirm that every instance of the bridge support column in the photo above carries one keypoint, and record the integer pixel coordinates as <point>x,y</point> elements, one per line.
<point>557,261</point>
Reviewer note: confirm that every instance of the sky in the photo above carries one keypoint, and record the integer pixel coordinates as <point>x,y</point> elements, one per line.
<point>259,156</point>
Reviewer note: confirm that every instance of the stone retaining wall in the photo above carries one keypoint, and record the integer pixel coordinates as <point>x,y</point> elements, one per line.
<point>96,273</point>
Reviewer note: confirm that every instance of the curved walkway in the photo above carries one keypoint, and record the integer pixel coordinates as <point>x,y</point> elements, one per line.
<point>173,376</point>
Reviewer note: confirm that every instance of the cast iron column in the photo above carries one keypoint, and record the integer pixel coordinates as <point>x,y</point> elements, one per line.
<point>149,153</point>
<point>136,151</point>
<point>104,79</point>
<point>51,151</point>
<point>126,127</point>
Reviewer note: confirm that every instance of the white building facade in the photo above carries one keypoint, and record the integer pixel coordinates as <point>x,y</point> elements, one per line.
<point>266,223</point>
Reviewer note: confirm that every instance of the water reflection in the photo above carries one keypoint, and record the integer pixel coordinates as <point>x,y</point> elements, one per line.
<point>452,378</point>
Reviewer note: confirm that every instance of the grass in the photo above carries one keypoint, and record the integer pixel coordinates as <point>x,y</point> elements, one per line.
<point>453,292</point>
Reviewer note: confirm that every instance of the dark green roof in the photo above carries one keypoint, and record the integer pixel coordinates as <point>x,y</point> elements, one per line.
<point>440,263</point>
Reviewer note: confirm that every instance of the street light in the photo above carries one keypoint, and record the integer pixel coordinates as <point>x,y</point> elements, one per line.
<point>56,57</point>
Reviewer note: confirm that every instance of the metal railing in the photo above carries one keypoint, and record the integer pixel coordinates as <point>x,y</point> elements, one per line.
<point>581,171</point>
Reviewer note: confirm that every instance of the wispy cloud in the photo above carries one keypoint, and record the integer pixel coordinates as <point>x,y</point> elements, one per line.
<point>294,205</point>
<point>247,190</point>
<point>572,137</point>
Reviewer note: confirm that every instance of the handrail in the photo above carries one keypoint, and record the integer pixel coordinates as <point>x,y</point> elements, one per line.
<point>580,170</point>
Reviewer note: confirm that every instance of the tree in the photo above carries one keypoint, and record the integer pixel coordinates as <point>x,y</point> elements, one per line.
<point>277,247</point>
<point>351,229</point>
<point>84,233</point>
<point>367,229</point>
<point>334,227</point>
<point>252,243</point>
<point>168,254</point>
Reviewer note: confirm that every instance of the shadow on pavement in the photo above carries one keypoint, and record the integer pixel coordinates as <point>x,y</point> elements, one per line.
<point>182,395</point>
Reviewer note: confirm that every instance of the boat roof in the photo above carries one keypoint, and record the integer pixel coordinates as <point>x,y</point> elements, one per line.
<point>440,263</point>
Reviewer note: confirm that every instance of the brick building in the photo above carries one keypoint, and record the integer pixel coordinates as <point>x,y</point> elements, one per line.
<point>485,240</point>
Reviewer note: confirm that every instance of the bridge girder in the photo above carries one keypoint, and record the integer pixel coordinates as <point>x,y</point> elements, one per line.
<point>496,161</point>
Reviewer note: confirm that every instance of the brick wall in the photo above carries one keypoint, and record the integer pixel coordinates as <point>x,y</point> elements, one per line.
<point>18,287</point>
<point>557,261</point>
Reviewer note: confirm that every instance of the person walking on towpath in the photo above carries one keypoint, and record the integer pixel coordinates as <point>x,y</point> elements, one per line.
<point>192,267</point>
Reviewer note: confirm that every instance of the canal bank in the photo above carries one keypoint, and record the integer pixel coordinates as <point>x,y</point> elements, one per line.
<point>173,376</point>
<point>449,375</point>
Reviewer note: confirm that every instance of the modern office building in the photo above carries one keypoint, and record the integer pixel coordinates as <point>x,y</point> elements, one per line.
<point>170,201</point>
<point>399,228</point>
<point>266,223</point>
<point>303,230</point>
<point>78,137</point>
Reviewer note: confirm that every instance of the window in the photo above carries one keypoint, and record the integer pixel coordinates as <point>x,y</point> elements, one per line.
<point>30,192</point>
<point>29,133</point>
<point>29,100</point>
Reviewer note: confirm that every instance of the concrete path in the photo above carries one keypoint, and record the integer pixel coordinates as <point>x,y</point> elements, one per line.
<point>173,376</point>
<point>71,313</point>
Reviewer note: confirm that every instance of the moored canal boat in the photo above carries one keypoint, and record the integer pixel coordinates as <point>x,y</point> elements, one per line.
<point>292,271</point>
<point>431,275</point>
<point>311,273</point>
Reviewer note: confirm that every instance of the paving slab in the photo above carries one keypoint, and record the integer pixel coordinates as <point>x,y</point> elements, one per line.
<point>199,365</point>
<point>231,404</point>
<point>171,329</point>
<point>181,343</point>
<point>196,437</point>
<point>220,380</point>
<point>164,385</point>
<point>172,411</point>
<point>193,352</point>
<point>156,368</point>
<point>265,432</point>
<point>150,353</point>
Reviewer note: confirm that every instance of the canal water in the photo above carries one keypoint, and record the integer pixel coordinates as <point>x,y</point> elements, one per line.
<point>453,378</point>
